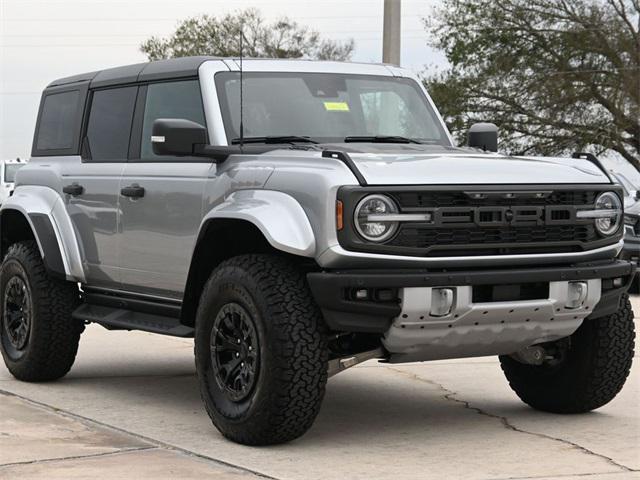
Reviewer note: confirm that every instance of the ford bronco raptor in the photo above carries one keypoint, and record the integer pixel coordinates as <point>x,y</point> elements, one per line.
<point>297,218</point>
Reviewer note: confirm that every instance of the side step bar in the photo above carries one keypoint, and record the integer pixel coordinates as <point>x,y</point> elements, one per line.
<point>120,319</point>
<point>338,365</point>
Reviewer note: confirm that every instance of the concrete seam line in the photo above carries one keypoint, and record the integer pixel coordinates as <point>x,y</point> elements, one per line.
<point>565,475</point>
<point>451,396</point>
<point>78,457</point>
<point>158,443</point>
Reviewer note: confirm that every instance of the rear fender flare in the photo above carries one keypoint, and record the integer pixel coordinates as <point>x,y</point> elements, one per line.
<point>44,210</point>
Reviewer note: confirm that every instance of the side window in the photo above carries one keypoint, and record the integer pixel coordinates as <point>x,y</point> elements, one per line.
<point>169,100</point>
<point>109,125</point>
<point>57,125</point>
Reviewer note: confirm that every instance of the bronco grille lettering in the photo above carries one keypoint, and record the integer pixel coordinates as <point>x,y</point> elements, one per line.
<point>517,216</point>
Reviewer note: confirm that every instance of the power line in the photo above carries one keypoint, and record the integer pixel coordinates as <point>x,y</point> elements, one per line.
<point>90,45</point>
<point>293,17</point>
<point>325,32</point>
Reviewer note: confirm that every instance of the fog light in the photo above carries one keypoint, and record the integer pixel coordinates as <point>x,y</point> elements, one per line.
<point>618,282</point>
<point>576,294</point>
<point>441,302</point>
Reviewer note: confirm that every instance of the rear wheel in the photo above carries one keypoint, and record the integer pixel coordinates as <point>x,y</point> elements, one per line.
<point>38,336</point>
<point>585,370</point>
<point>261,350</point>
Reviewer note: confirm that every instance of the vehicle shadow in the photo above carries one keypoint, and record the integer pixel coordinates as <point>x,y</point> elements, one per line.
<point>359,405</point>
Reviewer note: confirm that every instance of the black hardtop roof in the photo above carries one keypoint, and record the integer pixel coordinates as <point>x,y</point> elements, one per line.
<point>139,72</point>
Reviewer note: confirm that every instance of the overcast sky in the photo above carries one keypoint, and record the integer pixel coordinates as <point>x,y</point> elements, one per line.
<point>41,40</point>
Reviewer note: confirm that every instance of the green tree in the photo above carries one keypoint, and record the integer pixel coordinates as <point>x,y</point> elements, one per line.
<point>557,76</point>
<point>220,36</point>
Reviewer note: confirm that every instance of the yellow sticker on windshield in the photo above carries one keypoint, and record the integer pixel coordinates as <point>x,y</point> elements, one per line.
<point>336,106</point>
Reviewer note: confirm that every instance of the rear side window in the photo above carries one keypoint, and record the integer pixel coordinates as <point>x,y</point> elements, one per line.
<point>109,125</point>
<point>170,100</point>
<point>57,128</point>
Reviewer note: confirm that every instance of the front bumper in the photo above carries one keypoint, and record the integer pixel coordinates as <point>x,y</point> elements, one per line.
<point>342,313</point>
<point>337,257</point>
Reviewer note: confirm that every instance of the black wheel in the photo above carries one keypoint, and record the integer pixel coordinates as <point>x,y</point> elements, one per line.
<point>39,339</point>
<point>261,350</point>
<point>585,371</point>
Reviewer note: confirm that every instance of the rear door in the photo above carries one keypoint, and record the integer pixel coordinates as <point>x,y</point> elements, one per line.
<point>161,220</point>
<point>92,183</point>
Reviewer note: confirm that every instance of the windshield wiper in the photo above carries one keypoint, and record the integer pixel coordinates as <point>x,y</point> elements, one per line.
<point>379,139</point>
<point>273,139</point>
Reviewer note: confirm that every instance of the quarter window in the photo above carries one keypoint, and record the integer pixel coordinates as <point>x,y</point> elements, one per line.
<point>57,127</point>
<point>169,100</point>
<point>109,124</point>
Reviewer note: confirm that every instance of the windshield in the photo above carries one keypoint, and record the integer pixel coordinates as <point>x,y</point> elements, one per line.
<point>327,107</point>
<point>624,182</point>
<point>10,170</point>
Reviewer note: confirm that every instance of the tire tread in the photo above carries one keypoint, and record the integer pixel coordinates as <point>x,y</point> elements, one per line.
<point>300,350</point>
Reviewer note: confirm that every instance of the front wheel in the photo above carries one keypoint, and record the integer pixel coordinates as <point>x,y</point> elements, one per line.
<point>586,370</point>
<point>261,350</point>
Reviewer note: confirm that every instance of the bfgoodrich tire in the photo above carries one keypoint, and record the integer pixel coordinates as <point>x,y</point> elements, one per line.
<point>261,350</point>
<point>594,364</point>
<point>38,337</point>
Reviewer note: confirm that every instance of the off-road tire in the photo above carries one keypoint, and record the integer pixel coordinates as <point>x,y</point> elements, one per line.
<point>292,343</point>
<point>53,335</point>
<point>593,372</point>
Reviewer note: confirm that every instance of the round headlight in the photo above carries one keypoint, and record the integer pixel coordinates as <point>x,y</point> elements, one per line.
<point>370,218</point>
<point>608,225</point>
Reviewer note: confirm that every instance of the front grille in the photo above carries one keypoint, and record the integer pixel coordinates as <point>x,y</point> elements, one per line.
<point>496,222</point>
<point>485,221</point>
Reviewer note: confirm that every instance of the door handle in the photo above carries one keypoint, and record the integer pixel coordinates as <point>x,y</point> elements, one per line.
<point>74,189</point>
<point>133,191</point>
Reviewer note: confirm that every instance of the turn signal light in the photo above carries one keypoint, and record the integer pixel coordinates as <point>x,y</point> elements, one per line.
<point>339,215</point>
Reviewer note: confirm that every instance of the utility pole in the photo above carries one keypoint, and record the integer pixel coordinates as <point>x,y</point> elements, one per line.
<point>391,32</point>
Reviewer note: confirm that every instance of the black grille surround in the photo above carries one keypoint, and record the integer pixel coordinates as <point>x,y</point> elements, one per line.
<point>470,220</point>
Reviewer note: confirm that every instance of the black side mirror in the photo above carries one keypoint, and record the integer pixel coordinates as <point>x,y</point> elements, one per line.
<point>177,136</point>
<point>484,136</point>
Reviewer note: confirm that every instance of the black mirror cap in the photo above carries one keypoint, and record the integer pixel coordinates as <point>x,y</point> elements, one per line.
<point>177,136</point>
<point>484,136</point>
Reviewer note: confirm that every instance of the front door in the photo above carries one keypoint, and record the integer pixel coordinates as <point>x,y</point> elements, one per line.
<point>91,184</point>
<point>161,198</point>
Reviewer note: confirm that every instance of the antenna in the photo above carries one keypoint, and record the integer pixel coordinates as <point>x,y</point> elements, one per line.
<point>241,89</point>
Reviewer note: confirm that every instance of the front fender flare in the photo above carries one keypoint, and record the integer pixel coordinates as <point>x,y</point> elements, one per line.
<point>279,217</point>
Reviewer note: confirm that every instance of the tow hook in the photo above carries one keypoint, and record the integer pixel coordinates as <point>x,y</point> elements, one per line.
<point>534,355</point>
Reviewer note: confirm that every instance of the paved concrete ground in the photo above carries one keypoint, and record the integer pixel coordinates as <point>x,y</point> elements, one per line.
<point>130,409</point>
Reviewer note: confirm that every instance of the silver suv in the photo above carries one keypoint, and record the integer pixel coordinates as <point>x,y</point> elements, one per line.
<point>297,218</point>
